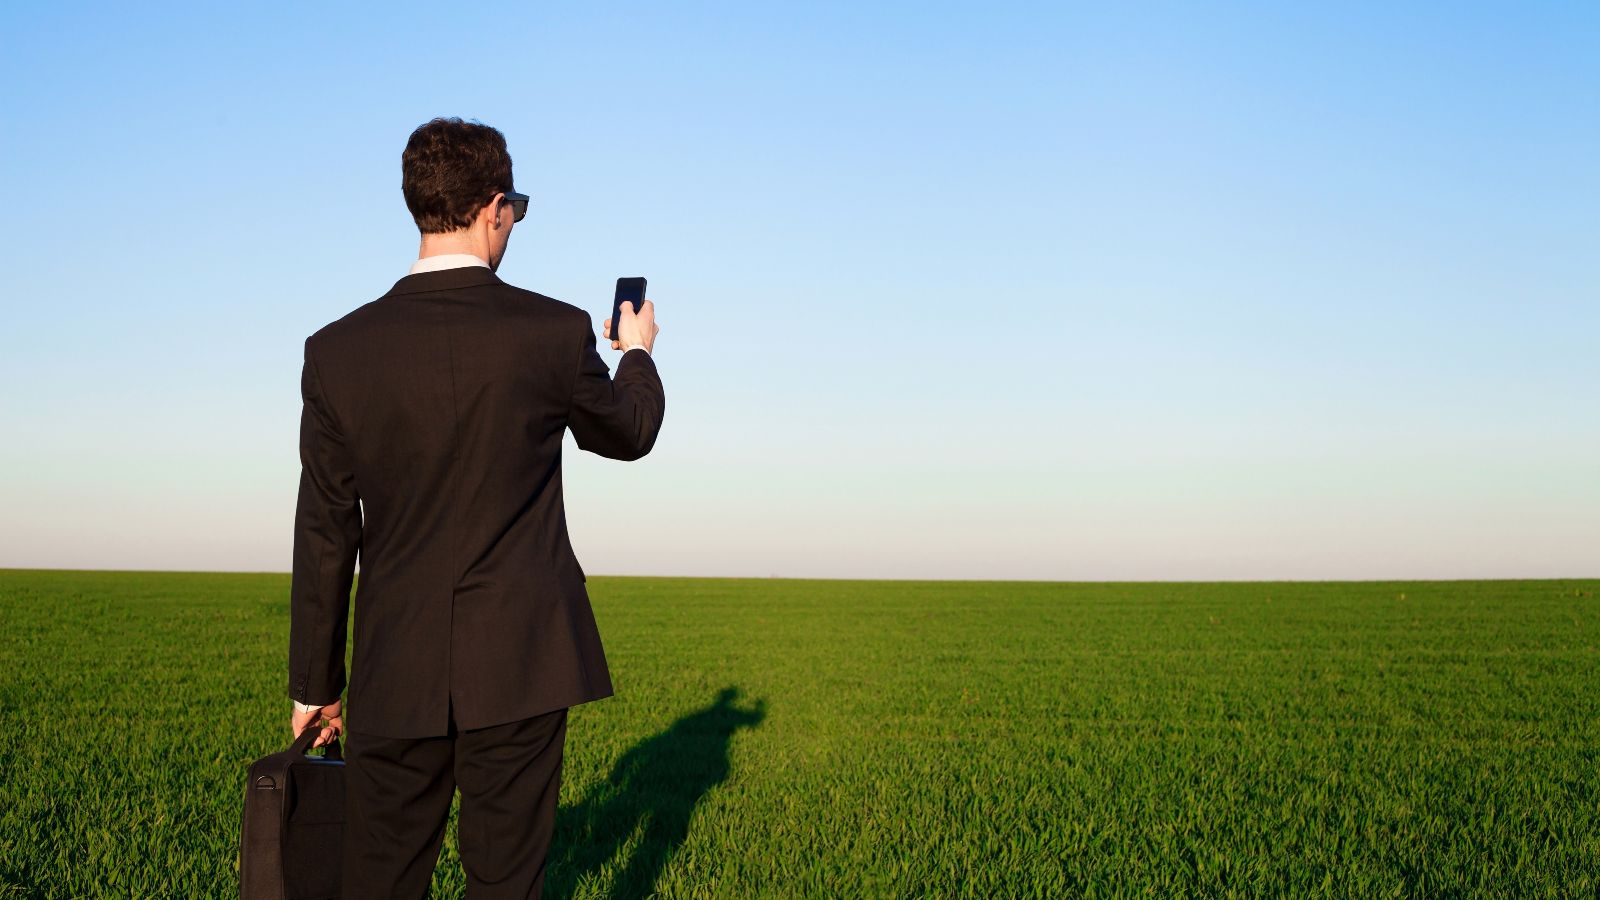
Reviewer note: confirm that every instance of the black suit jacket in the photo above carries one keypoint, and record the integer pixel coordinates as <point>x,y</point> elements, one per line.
<point>430,444</point>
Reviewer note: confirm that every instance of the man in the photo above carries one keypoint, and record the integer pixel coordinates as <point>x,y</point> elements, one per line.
<point>430,442</point>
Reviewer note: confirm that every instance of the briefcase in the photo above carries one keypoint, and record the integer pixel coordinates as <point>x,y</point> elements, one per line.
<point>292,838</point>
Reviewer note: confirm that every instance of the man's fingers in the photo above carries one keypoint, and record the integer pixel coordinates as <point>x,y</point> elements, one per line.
<point>326,733</point>
<point>626,311</point>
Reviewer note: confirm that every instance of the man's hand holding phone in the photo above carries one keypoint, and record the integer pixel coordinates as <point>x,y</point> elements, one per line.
<point>634,328</point>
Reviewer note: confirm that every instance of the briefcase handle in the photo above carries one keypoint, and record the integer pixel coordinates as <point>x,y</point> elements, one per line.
<point>303,743</point>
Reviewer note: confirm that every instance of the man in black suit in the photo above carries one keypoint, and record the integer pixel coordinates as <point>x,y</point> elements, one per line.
<point>430,442</point>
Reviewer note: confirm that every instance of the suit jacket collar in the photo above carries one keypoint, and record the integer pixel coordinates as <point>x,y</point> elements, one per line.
<point>445,280</point>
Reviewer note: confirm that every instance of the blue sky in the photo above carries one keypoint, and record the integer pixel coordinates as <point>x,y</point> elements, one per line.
<point>946,290</point>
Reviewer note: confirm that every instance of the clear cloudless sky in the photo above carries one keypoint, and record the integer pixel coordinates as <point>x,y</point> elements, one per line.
<point>985,290</point>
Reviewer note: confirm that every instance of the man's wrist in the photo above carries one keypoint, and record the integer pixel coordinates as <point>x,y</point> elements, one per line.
<point>628,347</point>
<point>308,707</point>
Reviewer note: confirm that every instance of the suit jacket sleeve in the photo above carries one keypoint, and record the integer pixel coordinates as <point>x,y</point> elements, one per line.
<point>615,418</point>
<point>327,537</point>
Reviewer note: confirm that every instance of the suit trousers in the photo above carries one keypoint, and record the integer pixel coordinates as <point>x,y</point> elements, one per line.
<point>397,802</point>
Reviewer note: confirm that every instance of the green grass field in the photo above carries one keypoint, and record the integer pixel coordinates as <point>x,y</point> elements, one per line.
<point>883,739</point>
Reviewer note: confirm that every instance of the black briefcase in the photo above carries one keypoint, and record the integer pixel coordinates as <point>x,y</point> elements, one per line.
<point>291,841</point>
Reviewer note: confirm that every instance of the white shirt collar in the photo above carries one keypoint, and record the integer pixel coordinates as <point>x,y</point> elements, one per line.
<point>447,261</point>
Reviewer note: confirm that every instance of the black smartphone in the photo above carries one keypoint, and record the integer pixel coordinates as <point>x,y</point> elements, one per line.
<point>629,290</point>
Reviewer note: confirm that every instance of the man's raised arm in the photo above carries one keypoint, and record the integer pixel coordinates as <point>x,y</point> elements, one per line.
<point>616,418</point>
<point>327,537</point>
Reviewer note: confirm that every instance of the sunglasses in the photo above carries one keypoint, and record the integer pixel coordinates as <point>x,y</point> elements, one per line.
<point>519,205</point>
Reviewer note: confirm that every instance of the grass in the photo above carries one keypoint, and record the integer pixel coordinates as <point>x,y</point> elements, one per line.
<point>883,739</point>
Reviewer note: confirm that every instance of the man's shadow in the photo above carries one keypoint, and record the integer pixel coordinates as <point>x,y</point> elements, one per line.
<point>656,785</point>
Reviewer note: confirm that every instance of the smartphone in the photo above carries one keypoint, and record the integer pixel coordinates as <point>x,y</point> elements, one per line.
<point>629,290</point>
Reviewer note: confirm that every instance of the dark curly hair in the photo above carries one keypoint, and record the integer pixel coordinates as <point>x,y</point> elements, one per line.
<point>449,169</point>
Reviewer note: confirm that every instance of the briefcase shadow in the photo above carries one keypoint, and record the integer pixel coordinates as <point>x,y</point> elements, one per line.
<point>654,785</point>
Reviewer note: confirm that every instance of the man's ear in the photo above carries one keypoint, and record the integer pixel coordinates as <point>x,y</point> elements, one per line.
<point>496,206</point>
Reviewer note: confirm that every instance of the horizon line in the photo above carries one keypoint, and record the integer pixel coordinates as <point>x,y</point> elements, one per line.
<point>285,573</point>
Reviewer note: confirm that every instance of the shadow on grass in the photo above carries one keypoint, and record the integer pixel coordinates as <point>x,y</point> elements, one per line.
<point>653,786</point>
